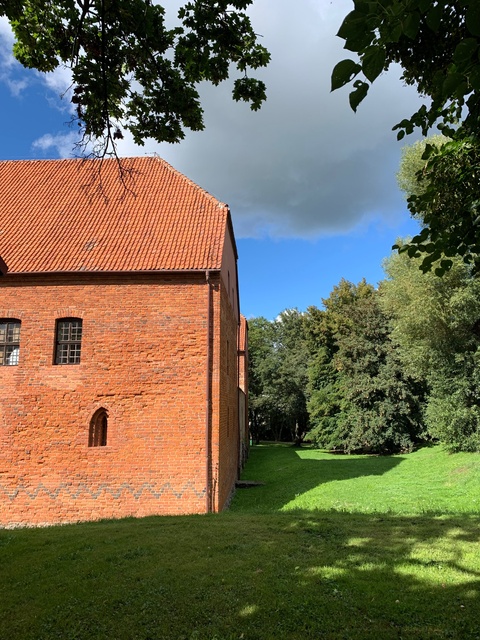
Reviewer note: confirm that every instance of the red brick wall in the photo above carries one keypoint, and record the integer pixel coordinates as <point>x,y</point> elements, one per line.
<point>144,358</point>
<point>226,447</point>
<point>243,425</point>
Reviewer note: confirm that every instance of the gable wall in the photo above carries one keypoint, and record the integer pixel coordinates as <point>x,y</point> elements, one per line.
<point>143,360</point>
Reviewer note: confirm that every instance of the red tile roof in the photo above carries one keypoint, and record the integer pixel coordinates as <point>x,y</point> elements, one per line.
<point>63,215</point>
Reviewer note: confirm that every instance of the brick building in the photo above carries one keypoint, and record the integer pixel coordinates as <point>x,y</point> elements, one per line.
<point>122,349</point>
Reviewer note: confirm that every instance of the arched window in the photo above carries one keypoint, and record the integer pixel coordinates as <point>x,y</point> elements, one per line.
<point>97,434</point>
<point>68,341</point>
<point>9,341</point>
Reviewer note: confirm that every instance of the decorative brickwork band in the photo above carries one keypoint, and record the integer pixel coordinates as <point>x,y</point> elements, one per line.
<point>104,488</point>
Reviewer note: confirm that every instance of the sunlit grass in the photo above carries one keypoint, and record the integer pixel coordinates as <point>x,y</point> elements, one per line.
<point>268,568</point>
<point>427,481</point>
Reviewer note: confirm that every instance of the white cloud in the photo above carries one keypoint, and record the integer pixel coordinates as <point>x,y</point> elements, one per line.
<point>305,165</point>
<point>17,78</point>
<point>9,67</point>
<point>60,83</point>
<point>62,143</point>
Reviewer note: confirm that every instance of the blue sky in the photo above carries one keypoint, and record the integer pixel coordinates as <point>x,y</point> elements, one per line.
<point>310,184</point>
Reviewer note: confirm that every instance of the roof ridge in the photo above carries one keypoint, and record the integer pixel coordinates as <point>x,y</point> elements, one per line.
<point>189,180</point>
<point>153,156</point>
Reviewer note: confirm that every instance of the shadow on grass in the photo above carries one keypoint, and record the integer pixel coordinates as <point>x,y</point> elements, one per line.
<point>245,577</point>
<point>286,475</point>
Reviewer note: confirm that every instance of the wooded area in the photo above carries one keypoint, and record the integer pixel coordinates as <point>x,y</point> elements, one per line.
<point>376,370</point>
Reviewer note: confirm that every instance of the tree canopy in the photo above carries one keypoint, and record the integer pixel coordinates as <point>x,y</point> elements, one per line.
<point>130,71</point>
<point>375,370</point>
<point>445,197</point>
<point>435,327</point>
<point>359,397</point>
<point>278,377</point>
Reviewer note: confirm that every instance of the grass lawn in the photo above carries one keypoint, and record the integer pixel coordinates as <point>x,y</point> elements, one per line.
<point>330,547</point>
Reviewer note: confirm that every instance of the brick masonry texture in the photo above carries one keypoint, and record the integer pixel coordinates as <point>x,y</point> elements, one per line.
<point>150,267</point>
<point>145,349</point>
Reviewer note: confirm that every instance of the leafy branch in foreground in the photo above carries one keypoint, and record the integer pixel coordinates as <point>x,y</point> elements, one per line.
<point>129,70</point>
<point>436,42</point>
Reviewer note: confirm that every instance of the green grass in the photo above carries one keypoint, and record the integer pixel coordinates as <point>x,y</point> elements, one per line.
<point>330,547</point>
<point>429,481</point>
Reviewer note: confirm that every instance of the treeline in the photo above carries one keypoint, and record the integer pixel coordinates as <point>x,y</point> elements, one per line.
<point>375,370</point>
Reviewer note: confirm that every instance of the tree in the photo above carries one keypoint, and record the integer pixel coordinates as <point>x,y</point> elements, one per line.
<point>323,393</point>
<point>359,397</point>
<point>262,365</point>
<point>324,390</point>
<point>412,165</point>
<point>437,44</point>
<point>381,406</point>
<point>277,377</point>
<point>129,70</point>
<point>292,372</point>
<point>441,178</point>
<point>437,332</point>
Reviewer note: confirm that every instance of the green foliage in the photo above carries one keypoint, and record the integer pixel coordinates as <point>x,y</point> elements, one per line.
<point>381,409</point>
<point>277,377</point>
<point>412,164</point>
<point>453,411</point>
<point>132,72</point>
<point>435,325</point>
<point>324,389</point>
<point>376,371</point>
<point>447,201</point>
<point>435,43</point>
<point>359,398</point>
<point>261,375</point>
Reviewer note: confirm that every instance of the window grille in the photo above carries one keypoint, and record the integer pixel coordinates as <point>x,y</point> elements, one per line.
<point>69,341</point>
<point>9,342</point>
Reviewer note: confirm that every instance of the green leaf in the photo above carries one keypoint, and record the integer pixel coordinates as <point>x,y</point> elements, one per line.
<point>473,18</point>
<point>355,97</point>
<point>452,83</point>
<point>360,41</point>
<point>411,25</point>
<point>411,251</point>
<point>465,50</point>
<point>424,233</point>
<point>396,32</point>
<point>344,72</point>
<point>373,62</point>
<point>429,149</point>
<point>434,17</point>
<point>351,24</point>
<point>474,78</point>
